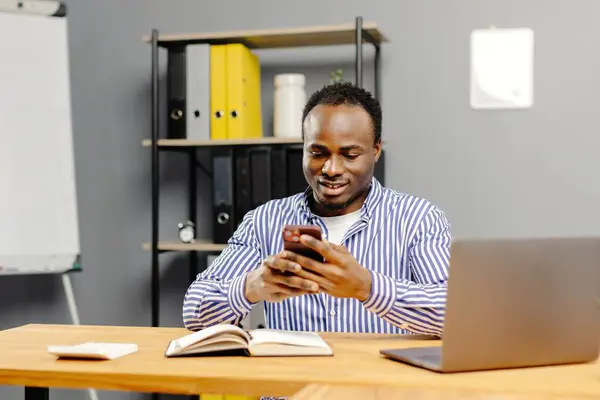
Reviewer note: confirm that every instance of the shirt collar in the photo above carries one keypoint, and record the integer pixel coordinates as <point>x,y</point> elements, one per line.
<point>366,211</point>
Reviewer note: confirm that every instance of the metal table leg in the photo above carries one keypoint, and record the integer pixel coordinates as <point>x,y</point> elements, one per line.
<point>69,294</point>
<point>37,393</point>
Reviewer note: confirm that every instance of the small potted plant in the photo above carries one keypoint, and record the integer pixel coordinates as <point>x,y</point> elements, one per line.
<point>336,76</point>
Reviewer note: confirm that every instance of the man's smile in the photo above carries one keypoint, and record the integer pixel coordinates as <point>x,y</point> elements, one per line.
<point>332,188</point>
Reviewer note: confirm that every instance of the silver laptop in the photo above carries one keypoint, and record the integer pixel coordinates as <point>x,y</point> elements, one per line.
<point>517,303</point>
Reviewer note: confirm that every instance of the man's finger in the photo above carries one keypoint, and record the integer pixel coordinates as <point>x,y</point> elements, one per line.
<point>290,291</point>
<point>321,281</point>
<point>283,290</point>
<point>296,282</point>
<point>338,248</point>
<point>282,264</point>
<point>314,270</point>
<point>304,262</point>
<point>322,247</point>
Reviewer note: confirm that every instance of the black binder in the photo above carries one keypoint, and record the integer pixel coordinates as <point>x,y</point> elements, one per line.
<point>224,221</point>
<point>243,184</point>
<point>379,172</point>
<point>176,93</point>
<point>296,183</point>
<point>279,172</point>
<point>260,170</point>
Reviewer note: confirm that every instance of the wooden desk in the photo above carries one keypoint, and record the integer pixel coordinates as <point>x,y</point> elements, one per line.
<point>353,392</point>
<point>24,361</point>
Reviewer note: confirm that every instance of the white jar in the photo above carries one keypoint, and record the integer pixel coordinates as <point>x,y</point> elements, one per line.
<point>289,100</point>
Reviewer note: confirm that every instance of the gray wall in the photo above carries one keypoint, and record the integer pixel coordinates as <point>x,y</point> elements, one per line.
<point>495,173</point>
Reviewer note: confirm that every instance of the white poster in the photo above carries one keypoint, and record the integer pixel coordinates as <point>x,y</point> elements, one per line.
<point>502,68</point>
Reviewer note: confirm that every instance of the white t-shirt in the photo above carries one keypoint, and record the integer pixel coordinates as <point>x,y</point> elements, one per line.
<point>338,225</point>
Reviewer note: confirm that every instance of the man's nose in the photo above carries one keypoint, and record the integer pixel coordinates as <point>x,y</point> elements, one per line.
<point>333,166</point>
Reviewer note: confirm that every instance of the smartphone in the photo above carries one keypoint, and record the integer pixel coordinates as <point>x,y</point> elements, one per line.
<point>291,240</point>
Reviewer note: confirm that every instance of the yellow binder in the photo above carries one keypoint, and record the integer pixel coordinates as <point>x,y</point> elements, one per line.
<point>244,111</point>
<point>218,92</point>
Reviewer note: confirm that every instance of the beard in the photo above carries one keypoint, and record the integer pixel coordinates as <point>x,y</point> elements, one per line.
<point>337,206</point>
<point>333,206</point>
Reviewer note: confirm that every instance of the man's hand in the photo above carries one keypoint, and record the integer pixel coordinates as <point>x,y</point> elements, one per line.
<point>275,280</point>
<point>339,276</point>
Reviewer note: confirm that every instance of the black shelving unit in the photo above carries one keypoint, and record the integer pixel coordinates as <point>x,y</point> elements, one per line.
<point>358,34</point>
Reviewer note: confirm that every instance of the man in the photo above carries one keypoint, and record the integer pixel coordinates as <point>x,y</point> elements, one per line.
<point>386,252</point>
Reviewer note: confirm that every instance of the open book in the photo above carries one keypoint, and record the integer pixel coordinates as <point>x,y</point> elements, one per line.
<point>226,338</point>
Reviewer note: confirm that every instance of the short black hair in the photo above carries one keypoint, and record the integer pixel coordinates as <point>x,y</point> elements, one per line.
<point>339,93</point>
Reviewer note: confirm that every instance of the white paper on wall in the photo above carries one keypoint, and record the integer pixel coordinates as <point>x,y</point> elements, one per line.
<point>502,62</point>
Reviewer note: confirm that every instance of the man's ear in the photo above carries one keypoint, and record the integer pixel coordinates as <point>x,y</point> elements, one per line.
<point>377,150</point>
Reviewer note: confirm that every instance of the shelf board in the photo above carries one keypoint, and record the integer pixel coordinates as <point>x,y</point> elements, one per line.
<point>227,142</point>
<point>326,35</point>
<point>199,245</point>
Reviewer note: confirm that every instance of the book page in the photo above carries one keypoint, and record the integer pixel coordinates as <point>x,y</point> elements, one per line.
<point>205,334</point>
<point>214,347</point>
<point>291,338</point>
<point>223,338</point>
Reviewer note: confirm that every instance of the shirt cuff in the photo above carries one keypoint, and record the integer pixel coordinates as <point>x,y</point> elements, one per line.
<point>237,297</point>
<point>383,294</point>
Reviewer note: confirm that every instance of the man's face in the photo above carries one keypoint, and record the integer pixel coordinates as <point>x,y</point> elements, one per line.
<point>339,156</point>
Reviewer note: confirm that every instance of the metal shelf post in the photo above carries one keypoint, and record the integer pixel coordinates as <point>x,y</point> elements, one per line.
<point>155,181</point>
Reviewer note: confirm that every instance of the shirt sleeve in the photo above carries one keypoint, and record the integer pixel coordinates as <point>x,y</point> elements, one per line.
<point>418,306</point>
<point>217,295</point>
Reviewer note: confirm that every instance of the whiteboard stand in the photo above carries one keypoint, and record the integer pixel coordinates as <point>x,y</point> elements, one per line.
<point>70,296</point>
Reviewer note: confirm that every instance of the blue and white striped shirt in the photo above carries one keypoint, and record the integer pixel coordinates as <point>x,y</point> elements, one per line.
<point>403,240</point>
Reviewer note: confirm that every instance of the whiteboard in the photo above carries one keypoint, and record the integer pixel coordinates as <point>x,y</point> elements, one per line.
<point>38,206</point>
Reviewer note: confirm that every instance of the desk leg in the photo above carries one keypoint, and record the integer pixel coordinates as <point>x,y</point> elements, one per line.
<point>36,393</point>
<point>69,294</point>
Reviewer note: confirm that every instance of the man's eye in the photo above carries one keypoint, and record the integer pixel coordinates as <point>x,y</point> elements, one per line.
<point>316,154</point>
<point>352,156</point>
